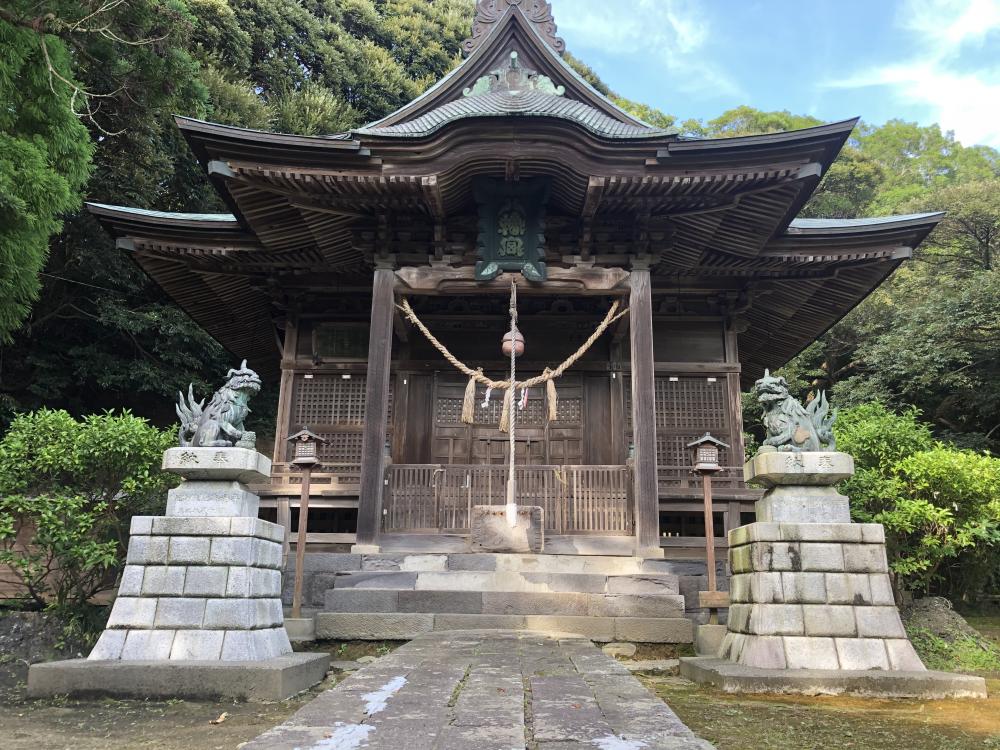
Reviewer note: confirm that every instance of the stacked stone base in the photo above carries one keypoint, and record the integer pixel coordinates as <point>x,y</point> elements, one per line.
<point>814,596</point>
<point>198,612</point>
<point>198,588</point>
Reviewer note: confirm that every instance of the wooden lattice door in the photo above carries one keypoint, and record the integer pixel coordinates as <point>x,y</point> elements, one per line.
<point>537,442</point>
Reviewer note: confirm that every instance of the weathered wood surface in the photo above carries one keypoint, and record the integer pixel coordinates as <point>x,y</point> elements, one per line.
<point>647,523</point>
<point>377,407</point>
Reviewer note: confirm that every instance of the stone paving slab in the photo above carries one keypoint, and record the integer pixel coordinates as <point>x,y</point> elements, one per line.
<point>486,690</point>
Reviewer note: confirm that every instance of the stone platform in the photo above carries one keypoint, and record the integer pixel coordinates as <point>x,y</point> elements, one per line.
<point>487,690</point>
<point>924,684</point>
<point>602,597</point>
<point>272,680</point>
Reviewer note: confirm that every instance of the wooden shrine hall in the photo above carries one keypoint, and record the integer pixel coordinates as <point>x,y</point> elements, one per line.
<point>513,167</point>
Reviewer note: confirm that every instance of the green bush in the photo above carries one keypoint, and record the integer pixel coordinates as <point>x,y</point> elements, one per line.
<point>68,490</point>
<point>878,438</point>
<point>940,506</point>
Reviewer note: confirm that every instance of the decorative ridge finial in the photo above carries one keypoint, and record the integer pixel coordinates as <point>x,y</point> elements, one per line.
<point>536,12</point>
<point>514,80</point>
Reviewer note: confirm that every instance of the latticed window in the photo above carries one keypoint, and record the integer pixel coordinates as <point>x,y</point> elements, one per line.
<point>333,406</point>
<point>687,406</point>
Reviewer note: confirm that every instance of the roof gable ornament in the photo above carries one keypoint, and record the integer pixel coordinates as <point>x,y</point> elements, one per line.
<point>514,80</point>
<point>489,12</point>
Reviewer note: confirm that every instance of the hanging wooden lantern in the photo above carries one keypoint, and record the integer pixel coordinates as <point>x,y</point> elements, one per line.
<point>518,340</point>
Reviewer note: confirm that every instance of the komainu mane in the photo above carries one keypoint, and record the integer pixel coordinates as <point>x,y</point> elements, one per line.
<point>220,425</point>
<point>790,426</point>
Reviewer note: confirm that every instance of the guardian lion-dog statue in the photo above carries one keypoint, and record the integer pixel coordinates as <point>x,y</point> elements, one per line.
<point>790,426</point>
<point>220,424</point>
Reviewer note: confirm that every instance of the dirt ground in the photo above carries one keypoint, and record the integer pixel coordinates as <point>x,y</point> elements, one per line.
<point>730,722</point>
<point>147,725</point>
<point>821,723</point>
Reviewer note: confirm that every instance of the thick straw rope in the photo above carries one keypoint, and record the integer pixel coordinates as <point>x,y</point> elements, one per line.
<point>610,319</point>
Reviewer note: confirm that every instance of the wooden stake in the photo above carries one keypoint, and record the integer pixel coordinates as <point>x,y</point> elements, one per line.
<point>300,544</point>
<point>706,482</point>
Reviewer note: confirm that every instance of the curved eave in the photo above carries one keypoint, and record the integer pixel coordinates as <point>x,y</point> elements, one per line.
<point>124,221</point>
<point>904,231</point>
<point>863,227</point>
<point>206,138</point>
<point>860,255</point>
<point>184,255</point>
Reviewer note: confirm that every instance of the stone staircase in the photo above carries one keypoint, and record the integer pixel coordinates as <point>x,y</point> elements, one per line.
<point>400,596</point>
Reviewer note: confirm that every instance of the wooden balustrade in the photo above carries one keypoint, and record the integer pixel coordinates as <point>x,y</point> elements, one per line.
<point>575,499</point>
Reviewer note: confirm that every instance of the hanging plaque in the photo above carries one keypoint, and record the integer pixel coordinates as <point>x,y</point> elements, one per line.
<point>511,227</point>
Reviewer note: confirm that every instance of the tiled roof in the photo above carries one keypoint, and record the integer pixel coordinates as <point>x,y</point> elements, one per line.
<point>517,104</point>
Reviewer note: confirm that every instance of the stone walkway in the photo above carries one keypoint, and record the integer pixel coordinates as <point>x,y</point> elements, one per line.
<point>486,690</point>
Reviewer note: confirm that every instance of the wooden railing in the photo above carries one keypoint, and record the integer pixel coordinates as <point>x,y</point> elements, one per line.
<point>575,499</point>
<point>682,477</point>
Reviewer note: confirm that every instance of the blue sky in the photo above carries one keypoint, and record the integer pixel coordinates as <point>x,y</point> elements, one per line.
<point>921,60</point>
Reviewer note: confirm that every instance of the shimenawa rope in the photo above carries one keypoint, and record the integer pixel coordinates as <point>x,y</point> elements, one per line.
<point>547,376</point>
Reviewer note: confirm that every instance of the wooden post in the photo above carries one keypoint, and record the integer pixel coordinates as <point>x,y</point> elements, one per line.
<point>376,409</point>
<point>647,501</point>
<point>300,543</point>
<point>706,483</point>
<point>283,424</point>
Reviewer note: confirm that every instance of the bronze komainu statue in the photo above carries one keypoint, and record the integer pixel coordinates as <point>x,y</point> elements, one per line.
<point>220,424</point>
<point>790,426</point>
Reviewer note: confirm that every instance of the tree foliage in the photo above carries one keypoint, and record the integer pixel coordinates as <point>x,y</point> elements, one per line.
<point>68,490</point>
<point>44,164</point>
<point>940,505</point>
<point>101,334</point>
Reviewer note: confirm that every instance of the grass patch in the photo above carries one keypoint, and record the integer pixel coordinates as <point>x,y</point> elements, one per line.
<point>987,624</point>
<point>960,653</point>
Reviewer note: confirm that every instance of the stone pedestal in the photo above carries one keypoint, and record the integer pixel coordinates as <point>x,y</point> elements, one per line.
<point>810,590</point>
<point>201,585</point>
<point>491,532</point>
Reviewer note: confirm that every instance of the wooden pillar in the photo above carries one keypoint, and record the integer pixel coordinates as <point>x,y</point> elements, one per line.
<point>376,409</point>
<point>645,492</point>
<point>283,423</point>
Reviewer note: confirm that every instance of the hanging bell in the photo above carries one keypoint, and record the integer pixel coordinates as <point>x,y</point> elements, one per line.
<point>518,340</point>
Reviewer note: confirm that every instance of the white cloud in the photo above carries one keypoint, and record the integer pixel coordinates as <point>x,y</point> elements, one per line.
<point>675,31</point>
<point>966,102</point>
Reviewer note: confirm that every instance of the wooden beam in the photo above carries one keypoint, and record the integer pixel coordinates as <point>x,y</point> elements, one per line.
<point>595,192</point>
<point>376,409</point>
<point>645,493</point>
<point>580,280</point>
<point>432,196</point>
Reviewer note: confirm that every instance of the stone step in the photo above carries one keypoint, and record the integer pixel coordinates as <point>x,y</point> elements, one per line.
<point>339,562</point>
<point>375,626</point>
<point>357,600</point>
<point>510,581</point>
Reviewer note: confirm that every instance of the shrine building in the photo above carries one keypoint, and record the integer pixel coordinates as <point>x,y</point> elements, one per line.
<point>512,167</point>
